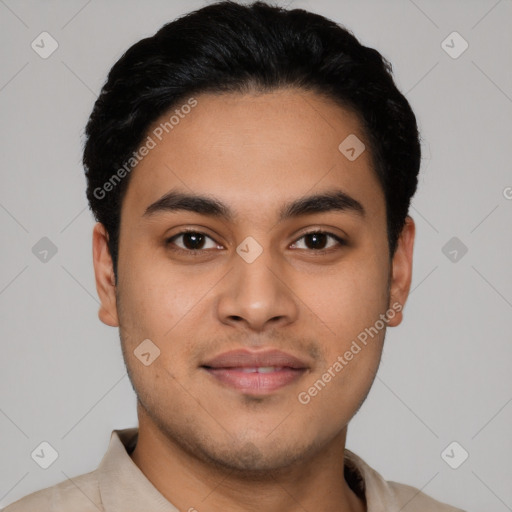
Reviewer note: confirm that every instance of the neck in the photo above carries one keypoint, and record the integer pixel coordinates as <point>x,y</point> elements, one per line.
<point>192,484</point>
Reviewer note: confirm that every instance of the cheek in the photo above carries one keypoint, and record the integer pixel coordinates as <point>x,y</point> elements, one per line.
<point>349,299</point>
<point>152,298</point>
<point>351,302</point>
<point>166,306</point>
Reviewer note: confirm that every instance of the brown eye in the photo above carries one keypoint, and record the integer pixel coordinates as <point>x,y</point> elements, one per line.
<point>191,241</point>
<point>319,241</point>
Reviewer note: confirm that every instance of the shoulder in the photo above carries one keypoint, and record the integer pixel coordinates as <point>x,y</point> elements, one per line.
<point>411,499</point>
<point>79,493</point>
<point>387,495</point>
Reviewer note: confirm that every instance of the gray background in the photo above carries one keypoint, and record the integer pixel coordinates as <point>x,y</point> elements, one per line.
<point>445,374</point>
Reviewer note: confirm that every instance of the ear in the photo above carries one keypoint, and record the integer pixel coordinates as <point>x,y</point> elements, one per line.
<point>104,273</point>
<point>401,271</point>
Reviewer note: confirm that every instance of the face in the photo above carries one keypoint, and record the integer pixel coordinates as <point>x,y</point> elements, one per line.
<point>266,293</point>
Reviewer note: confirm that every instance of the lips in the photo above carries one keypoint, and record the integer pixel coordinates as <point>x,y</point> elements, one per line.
<point>248,359</point>
<point>256,372</point>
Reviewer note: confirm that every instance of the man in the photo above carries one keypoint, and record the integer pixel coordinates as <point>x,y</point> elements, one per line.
<point>250,169</point>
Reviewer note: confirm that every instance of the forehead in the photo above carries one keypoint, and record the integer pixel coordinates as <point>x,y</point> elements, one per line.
<point>270,147</point>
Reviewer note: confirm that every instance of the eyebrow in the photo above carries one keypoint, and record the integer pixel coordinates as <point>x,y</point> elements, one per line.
<point>336,200</point>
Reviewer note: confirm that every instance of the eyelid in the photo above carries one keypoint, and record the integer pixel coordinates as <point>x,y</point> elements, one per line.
<point>170,240</point>
<point>340,241</point>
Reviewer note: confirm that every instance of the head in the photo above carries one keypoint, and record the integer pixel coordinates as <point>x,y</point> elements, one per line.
<point>284,148</point>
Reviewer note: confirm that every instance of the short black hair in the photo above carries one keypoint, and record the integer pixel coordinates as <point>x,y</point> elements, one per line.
<point>227,47</point>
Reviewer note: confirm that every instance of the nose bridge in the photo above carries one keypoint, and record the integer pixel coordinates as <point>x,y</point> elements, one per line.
<point>256,291</point>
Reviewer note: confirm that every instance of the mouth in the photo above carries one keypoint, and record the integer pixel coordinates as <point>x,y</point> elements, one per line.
<point>256,372</point>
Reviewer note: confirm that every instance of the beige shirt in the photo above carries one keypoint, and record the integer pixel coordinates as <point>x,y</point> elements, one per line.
<point>118,485</point>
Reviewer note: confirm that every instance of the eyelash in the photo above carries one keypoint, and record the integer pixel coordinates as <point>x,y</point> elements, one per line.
<point>198,252</point>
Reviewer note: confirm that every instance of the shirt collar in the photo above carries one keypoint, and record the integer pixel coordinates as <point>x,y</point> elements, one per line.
<point>377,492</point>
<point>123,485</point>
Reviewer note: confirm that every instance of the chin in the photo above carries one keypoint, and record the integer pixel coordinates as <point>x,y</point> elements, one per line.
<point>252,459</point>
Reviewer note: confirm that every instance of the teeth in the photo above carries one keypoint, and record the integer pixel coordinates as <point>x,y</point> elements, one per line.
<point>267,369</point>
<point>261,369</point>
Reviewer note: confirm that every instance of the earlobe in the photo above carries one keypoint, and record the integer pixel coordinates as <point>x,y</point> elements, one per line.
<point>402,271</point>
<point>104,275</point>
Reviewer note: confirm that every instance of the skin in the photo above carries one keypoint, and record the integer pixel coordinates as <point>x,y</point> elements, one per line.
<point>204,445</point>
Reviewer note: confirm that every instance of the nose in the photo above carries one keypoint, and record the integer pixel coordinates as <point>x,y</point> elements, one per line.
<point>257,295</point>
